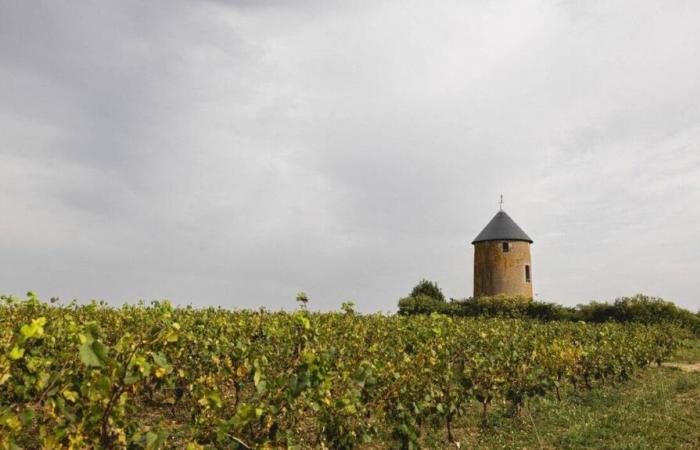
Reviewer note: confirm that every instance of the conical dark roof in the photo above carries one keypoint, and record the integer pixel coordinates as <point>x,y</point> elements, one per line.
<point>502,228</point>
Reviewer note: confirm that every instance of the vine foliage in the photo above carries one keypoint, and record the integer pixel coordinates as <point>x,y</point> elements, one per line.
<point>156,376</point>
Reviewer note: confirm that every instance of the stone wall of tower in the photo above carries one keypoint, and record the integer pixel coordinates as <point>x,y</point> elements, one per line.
<point>499,272</point>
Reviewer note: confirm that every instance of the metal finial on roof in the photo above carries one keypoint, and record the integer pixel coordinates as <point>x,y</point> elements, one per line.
<point>500,208</point>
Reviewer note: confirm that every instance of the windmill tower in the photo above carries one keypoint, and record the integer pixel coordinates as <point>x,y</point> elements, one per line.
<point>502,263</point>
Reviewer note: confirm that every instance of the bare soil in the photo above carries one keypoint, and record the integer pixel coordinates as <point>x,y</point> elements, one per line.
<point>684,367</point>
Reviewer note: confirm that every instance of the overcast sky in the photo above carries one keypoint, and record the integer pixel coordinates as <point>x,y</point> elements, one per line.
<point>235,153</point>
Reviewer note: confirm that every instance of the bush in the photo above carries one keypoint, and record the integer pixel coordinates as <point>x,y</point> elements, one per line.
<point>639,308</point>
<point>513,307</point>
<point>428,289</point>
<point>496,306</point>
<point>423,304</point>
<point>425,298</point>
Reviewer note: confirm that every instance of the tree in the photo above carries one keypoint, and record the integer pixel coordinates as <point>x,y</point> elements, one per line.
<point>302,300</point>
<point>428,289</point>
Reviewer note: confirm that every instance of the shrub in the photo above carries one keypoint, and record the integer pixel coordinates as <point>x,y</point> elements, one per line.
<point>639,308</point>
<point>423,304</point>
<point>428,289</point>
<point>496,306</point>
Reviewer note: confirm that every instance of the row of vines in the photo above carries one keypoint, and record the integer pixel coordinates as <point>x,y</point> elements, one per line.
<point>155,376</point>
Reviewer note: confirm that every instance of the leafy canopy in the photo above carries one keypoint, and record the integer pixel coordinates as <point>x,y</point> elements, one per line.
<point>429,289</point>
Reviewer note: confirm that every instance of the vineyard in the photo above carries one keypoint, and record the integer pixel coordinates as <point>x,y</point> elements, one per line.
<point>156,376</point>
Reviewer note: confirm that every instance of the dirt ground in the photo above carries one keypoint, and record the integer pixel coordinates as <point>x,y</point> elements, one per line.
<point>684,367</point>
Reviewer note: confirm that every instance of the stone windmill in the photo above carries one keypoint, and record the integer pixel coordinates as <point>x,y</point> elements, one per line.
<point>502,263</point>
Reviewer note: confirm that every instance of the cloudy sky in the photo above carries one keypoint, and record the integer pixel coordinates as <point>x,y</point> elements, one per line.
<point>235,153</point>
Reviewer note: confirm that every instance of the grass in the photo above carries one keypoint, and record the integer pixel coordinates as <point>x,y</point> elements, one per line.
<point>659,408</point>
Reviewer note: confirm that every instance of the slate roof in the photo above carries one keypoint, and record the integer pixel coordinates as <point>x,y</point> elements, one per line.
<point>502,228</point>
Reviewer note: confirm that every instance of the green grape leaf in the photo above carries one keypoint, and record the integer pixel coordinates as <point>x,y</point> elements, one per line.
<point>93,354</point>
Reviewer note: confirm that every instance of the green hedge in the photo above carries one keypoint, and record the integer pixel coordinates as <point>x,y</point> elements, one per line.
<point>638,308</point>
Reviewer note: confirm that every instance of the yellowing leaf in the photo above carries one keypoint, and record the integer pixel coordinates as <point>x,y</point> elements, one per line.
<point>35,329</point>
<point>16,353</point>
<point>13,423</point>
<point>69,395</point>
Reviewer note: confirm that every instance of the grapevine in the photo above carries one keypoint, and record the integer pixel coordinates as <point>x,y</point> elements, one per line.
<point>158,376</point>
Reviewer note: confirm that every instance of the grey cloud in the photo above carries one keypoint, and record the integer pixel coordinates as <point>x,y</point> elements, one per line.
<point>233,153</point>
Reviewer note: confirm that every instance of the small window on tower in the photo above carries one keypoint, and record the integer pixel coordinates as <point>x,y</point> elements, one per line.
<point>527,274</point>
<point>506,247</point>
